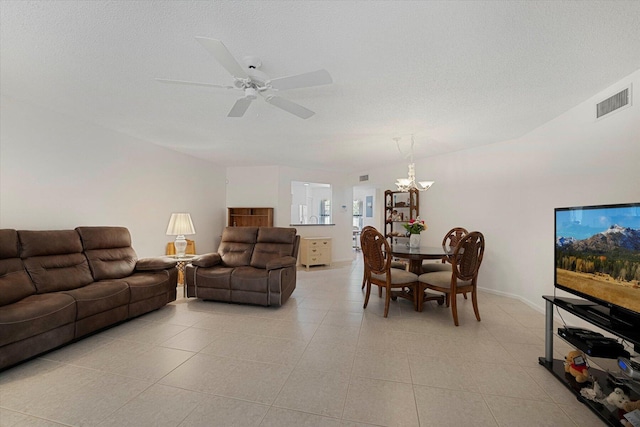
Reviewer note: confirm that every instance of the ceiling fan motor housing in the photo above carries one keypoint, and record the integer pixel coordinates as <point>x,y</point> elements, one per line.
<point>250,93</point>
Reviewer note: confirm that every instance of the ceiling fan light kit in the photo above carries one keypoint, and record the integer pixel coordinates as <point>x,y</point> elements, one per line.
<point>254,82</point>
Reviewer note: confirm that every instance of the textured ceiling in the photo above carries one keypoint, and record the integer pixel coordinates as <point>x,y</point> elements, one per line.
<point>455,74</point>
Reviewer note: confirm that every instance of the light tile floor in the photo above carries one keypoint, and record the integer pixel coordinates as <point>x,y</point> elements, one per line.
<point>320,360</point>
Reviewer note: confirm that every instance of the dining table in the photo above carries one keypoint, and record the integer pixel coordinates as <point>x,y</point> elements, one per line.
<point>415,257</point>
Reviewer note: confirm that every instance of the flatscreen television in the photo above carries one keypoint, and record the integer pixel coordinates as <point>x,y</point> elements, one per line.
<point>597,257</point>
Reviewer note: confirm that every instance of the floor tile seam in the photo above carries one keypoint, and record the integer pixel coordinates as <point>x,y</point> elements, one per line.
<point>355,376</point>
<point>561,406</point>
<point>263,336</point>
<point>495,418</point>
<point>351,371</point>
<point>215,394</point>
<point>235,358</point>
<point>36,416</point>
<point>125,403</point>
<point>102,371</point>
<point>300,411</point>
<point>543,387</point>
<point>534,399</point>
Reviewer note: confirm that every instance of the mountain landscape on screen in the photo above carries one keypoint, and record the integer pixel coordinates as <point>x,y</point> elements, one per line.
<point>605,265</point>
<point>612,238</point>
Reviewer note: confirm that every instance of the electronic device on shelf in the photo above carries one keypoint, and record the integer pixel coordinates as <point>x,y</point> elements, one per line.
<point>592,343</point>
<point>629,368</point>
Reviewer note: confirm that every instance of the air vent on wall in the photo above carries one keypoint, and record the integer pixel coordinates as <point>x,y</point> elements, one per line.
<point>614,103</point>
<point>364,178</point>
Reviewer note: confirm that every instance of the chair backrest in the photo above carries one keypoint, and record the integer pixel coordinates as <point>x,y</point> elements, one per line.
<point>375,250</point>
<point>451,239</point>
<point>468,255</point>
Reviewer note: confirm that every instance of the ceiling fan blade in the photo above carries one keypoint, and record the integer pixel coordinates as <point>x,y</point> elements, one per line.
<point>223,56</point>
<point>183,82</point>
<point>240,107</point>
<point>290,107</point>
<point>313,78</point>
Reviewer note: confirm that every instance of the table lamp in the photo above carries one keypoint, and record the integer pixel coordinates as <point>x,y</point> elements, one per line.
<point>179,225</point>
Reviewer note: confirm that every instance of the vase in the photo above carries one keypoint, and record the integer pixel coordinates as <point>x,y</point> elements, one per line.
<point>414,241</point>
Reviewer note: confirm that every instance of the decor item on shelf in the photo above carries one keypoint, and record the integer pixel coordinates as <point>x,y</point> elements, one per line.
<point>179,225</point>
<point>415,227</point>
<point>406,184</point>
<point>617,398</point>
<point>576,365</point>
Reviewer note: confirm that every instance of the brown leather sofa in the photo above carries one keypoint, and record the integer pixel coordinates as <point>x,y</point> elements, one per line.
<point>253,265</point>
<point>58,286</point>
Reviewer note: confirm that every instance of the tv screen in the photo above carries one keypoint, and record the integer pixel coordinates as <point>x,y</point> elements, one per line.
<point>597,253</point>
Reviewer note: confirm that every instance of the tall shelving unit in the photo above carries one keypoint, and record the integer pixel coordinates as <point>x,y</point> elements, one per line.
<point>407,207</point>
<point>250,217</point>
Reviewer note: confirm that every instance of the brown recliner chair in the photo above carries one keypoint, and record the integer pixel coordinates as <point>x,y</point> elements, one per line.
<point>253,265</point>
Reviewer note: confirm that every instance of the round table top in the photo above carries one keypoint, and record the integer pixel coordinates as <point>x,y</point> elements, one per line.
<point>422,251</point>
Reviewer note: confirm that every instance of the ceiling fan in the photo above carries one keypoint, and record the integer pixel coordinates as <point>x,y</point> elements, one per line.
<point>254,82</point>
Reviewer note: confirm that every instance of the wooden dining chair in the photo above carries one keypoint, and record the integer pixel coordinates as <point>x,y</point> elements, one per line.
<point>461,277</point>
<point>449,241</point>
<point>378,271</point>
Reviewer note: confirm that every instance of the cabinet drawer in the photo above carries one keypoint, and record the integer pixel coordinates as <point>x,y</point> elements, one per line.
<point>315,243</point>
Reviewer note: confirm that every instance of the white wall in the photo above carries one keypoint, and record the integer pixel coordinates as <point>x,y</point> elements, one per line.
<point>57,172</point>
<point>509,190</point>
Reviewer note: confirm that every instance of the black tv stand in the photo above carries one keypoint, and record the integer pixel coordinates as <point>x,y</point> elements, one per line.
<point>597,315</point>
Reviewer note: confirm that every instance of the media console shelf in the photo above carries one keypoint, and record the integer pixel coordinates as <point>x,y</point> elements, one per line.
<point>601,317</point>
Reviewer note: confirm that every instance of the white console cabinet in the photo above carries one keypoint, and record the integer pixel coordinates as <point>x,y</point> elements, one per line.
<point>315,251</point>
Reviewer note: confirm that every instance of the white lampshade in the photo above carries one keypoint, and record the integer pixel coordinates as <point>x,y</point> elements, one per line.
<point>180,224</point>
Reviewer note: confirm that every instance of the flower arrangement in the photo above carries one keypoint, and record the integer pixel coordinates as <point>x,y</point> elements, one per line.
<point>415,226</point>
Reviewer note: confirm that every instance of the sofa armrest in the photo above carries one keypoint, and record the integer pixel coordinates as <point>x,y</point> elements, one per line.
<point>206,260</point>
<point>156,263</point>
<point>282,262</point>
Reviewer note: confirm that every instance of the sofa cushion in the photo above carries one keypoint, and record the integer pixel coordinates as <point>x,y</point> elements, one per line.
<point>104,237</point>
<point>217,277</point>
<point>109,251</point>
<point>99,297</point>
<point>9,244</point>
<point>155,264</point>
<point>58,272</point>
<point>237,245</point>
<point>276,235</point>
<point>54,260</point>
<point>250,279</point>
<point>206,260</point>
<point>282,262</point>
<point>49,242</point>
<point>273,243</point>
<point>147,285</point>
<point>34,315</point>
<point>15,283</point>
<point>265,252</point>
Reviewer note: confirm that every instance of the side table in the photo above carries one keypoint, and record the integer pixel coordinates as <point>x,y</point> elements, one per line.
<point>181,265</point>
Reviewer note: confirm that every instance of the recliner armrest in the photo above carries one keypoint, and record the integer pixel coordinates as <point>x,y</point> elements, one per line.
<point>282,262</point>
<point>207,260</point>
<point>155,263</point>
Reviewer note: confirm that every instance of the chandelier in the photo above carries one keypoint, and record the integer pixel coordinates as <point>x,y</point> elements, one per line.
<point>406,184</point>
